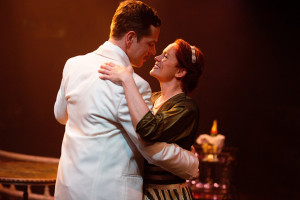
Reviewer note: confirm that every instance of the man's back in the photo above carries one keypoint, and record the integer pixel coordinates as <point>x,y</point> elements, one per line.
<point>96,153</point>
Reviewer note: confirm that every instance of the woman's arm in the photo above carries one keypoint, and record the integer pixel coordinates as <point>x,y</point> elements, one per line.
<point>123,75</point>
<point>169,125</point>
<point>170,157</point>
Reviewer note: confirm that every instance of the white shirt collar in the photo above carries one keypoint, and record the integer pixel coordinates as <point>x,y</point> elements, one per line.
<point>109,49</point>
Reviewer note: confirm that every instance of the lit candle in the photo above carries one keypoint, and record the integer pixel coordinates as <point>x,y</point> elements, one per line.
<point>214,129</point>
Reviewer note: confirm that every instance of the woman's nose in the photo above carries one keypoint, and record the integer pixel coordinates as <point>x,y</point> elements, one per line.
<point>157,58</point>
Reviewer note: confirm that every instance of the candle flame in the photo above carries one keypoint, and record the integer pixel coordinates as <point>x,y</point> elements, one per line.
<point>214,129</point>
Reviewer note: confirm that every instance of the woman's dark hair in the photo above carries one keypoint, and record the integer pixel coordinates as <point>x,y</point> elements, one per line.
<point>134,16</point>
<point>194,70</point>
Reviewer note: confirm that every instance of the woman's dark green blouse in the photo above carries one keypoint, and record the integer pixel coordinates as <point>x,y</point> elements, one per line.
<point>176,121</point>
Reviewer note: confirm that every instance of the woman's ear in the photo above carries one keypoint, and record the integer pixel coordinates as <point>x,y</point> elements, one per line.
<point>129,38</point>
<point>181,72</point>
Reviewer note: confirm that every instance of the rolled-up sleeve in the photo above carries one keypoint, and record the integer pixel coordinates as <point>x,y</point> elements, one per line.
<point>169,125</point>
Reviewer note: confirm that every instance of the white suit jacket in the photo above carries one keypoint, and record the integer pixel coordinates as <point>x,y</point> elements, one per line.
<point>98,160</point>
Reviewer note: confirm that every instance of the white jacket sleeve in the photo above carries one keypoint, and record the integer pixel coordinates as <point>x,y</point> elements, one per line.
<point>60,106</point>
<point>170,157</point>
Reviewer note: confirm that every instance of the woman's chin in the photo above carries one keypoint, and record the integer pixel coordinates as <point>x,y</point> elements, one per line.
<point>152,73</point>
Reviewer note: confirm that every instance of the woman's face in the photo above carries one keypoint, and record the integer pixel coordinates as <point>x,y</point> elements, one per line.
<point>165,66</point>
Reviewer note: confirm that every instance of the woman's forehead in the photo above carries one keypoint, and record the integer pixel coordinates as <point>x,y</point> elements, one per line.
<point>171,48</point>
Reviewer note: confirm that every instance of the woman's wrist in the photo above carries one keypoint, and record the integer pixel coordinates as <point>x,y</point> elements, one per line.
<point>126,78</point>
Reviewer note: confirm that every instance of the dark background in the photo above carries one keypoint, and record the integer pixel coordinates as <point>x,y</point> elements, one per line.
<point>250,83</point>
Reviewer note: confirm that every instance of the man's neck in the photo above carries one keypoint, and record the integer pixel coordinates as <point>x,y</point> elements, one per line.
<point>119,43</point>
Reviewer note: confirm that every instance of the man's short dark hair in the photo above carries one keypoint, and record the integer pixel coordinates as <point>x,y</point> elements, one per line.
<point>132,15</point>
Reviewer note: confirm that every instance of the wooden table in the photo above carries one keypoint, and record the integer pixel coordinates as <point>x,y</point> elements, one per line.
<point>27,172</point>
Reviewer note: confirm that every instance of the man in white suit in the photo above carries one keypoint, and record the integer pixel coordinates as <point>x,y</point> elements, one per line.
<point>102,157</point>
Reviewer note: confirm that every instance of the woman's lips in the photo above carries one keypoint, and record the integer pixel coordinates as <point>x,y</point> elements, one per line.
<point>156,67</point>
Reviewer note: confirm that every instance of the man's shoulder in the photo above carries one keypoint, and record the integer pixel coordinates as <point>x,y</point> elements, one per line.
<point>81,57</point>
<point>139,80</point>
<point>141,83</point>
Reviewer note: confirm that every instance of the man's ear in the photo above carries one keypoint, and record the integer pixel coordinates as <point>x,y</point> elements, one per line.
<point>129,38</point>
<point>181,72</point>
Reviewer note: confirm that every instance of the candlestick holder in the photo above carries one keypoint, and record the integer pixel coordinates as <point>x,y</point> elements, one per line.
<point>210,152</point>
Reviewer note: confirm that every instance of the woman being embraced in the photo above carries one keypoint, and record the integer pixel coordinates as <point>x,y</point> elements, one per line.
<point>174,117</point>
